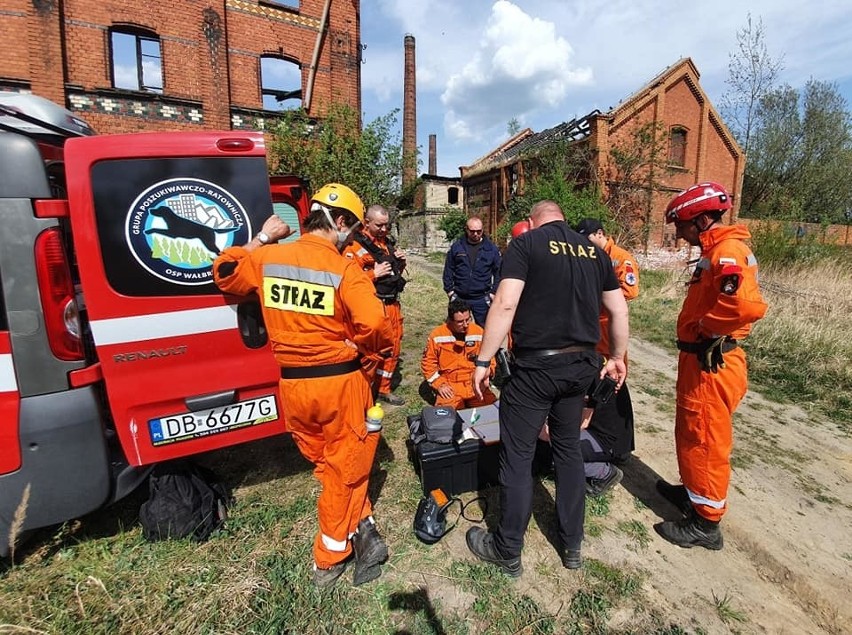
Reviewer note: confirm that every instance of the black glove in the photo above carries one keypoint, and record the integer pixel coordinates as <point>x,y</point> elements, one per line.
<point>710,355</point>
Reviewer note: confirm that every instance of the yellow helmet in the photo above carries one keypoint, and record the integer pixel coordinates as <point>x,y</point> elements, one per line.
<point>340,196</point>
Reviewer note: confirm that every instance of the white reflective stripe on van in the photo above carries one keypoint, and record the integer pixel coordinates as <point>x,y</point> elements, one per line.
<point>138,328</point>
<point>8,383</point>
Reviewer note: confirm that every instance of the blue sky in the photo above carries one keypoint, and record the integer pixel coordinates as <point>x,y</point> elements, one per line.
<point>482,62</point>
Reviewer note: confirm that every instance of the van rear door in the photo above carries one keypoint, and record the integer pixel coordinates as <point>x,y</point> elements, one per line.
<point>290,202</point>
<point>186,369</point>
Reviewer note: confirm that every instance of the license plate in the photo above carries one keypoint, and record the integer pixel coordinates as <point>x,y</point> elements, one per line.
<point>203,423</point>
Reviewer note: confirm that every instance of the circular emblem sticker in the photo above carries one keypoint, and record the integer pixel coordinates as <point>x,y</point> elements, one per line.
<point>176,228</point>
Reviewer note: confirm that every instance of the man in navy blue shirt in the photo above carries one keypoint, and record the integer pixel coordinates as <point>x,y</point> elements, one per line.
<point>472,270</point>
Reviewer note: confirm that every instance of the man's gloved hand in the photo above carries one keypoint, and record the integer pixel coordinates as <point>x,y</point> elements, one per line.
<point>710,356</point>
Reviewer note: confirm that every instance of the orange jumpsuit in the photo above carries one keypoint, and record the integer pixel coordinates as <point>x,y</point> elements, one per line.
<point>449,360</point>
<point>393,311</point>
<point>313,301</point>
<point>627,272</point>
<point>714,306</point>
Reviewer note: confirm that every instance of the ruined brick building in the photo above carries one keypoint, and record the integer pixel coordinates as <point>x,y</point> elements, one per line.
<point>177,64</point>
<point>695,146</point>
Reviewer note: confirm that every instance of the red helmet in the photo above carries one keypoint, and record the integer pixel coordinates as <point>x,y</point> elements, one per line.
<point>521,227</point>
<point>704,197</point>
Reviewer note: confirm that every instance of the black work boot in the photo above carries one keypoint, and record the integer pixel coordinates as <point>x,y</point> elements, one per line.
<point>600,486</point>
<point>692,531</point>
<point>391,399</point>
<point>571,558</point>
<point>370,552</point>
<point>676,495</point>
<point>481,543</point>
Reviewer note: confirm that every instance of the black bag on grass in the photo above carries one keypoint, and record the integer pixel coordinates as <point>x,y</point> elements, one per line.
<point>185,500</point>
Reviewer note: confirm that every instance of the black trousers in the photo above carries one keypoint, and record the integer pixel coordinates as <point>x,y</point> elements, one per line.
<point>542,389</point>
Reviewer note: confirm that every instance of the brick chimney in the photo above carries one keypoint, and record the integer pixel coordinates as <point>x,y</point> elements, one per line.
<point>433,156</point>
<point>409,116</point>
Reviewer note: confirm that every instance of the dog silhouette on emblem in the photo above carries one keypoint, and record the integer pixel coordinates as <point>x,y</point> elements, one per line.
<point>179,227</point>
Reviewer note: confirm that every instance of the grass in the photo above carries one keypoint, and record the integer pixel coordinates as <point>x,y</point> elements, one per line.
<point>99,575</point>
<point>799,353</point>
<point>636,531</point>
<point>726,611</point>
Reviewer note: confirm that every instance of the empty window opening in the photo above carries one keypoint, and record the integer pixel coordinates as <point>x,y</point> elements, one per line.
<point>677,147</point>
<point>453,195</point>
<point>280,83</point>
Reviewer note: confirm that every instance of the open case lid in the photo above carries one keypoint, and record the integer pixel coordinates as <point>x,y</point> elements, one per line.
<point>481,423</point>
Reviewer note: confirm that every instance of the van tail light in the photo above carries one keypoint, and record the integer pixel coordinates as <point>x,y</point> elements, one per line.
<point>58,301</point>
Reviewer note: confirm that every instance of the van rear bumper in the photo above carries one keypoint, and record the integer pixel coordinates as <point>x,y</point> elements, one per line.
<point>64,460</point>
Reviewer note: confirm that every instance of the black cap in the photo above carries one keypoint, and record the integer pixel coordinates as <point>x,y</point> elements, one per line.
<point>588,226</point>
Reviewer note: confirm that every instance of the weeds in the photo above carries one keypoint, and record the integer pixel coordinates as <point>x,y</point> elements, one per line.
<point>617,583</point>
<point>17,524</point>
<point>802,337</point>
<point>636,531</point>
<point>726,611</point>
<point>597,506</point>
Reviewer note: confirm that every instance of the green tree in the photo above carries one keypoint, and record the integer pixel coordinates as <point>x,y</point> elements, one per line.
<point>801,156</point>
<point>752,74</point>
<point>632,175</point>
<point>557,171</point>
<point>336,149</point>
<point>452,223</point>
<point>563,170</point>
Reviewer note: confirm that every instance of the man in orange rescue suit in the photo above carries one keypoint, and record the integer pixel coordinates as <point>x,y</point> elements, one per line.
<point>322,315</point>
<point>447,362</point>
<point>623,263</point>
<point>376,253</point>
<point>722,302</point>
<point>610,435</point>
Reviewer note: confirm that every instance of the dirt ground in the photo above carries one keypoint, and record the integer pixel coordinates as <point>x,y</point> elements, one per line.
<point>787,562</point>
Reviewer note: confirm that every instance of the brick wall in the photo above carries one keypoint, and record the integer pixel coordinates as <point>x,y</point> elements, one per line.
<point>673,98</point>
<point>211,54</point>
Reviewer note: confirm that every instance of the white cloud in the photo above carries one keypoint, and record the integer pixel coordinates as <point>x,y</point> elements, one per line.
<point>522,65</point>
<point>482,62</point>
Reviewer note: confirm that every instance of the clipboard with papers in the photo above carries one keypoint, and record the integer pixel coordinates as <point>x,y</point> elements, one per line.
<point>481,423</point>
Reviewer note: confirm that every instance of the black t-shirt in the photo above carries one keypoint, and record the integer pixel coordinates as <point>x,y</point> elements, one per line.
<point>564,277</point>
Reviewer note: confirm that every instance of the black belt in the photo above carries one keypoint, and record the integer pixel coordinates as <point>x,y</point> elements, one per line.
<point>526,353</point>
<point>699,347</point>
<point>391,300</point>
<point>327,370</point>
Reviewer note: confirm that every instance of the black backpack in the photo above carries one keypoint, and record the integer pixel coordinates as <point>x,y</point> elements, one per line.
<point>436,424</point>
<point>185,500</point>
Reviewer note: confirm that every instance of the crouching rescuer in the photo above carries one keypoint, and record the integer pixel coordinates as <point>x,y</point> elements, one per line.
<point>322,316</point>
<point>723,300</point>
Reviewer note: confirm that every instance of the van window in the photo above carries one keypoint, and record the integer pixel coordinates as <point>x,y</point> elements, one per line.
<point>289,215</point>
<point>162,222</point>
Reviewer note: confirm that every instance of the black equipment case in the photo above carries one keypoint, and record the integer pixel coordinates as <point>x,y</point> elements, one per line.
<point>454,467</point>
